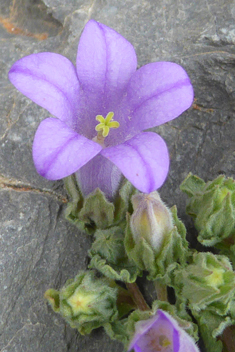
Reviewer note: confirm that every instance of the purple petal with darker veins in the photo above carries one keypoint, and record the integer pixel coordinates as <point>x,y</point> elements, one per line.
<point>58,151</point>
<point>50,80</point>
<point>99,173</point>
<point>105,63</point>
<point>143,160</point>
<point>157,93</point>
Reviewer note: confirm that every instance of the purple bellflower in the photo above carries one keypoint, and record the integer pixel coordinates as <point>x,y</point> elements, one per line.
<point>102,107</point>
<point>161,333</point>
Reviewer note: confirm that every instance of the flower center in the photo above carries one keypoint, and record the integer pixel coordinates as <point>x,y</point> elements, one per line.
<point>216,278</point>
<point>104,126</point>
<point>81,302</point>
<point>155,341</point>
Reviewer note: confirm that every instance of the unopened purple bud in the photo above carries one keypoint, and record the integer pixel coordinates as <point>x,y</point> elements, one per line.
<point>151,220</point>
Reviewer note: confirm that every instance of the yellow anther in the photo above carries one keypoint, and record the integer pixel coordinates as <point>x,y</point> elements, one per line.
<point>105,124</point>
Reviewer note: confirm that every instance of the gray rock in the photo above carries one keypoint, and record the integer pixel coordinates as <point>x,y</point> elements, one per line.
<point>39,248</point>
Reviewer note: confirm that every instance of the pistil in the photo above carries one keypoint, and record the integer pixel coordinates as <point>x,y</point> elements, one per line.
<point>104,126</point>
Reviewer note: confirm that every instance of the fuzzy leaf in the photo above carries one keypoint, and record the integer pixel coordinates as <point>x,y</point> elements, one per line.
<point>192,185</point>
<point>212,205</point>
<point>207,283</point>
<point>95,211</point>
<point>109,257</point>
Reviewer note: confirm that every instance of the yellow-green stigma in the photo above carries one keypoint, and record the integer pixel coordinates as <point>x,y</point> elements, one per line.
<point>81,302</point>
<point>216,278</point>
<point>105,124</point>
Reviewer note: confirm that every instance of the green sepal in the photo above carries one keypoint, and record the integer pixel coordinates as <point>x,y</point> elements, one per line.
<point>174,249</point>
<point>108,256</point>
<point>53,298</point>
<point>207,323</point>
<point>75,203</point>
<point>192,185</point>
<point>217,225</point>
<point>208,282</point>
<point>232,308</point>
<point>211,327</point>
<point>227,248</point>
<point>212,205</point>
<point>86,302</point>
<point>117,330</point>
<point>122,202</point>
<point>95,211</point>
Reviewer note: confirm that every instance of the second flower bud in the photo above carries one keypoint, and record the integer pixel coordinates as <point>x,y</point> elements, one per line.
<point>151,219</point>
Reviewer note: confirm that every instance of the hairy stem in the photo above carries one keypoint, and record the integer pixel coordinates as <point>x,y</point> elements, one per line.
<point>161,290</point>
<point>137,296</point>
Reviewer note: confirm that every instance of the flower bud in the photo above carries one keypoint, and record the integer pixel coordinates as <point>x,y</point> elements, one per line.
<point>155,238</point>
<point>151,219</point>
<point>86,302</point>
<point>209,282</point>
<point>212,206</point>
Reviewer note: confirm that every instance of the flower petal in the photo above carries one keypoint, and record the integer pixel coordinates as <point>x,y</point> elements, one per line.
<point>150,334</point>
<point>143,160</point>
<point>58,151</point>
<point>183,342</point>
<point>50,80</point>
<point>105,63</point>
<point>99,173</point>
<point>157,93</point>
<point>187,343</point>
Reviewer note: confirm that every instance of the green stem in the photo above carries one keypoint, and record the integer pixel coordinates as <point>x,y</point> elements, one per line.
<point>137,296</point>
<point>161,290</point>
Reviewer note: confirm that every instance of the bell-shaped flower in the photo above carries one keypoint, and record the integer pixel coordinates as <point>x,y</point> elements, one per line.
<point>102,107</point>
<point>161,333</point>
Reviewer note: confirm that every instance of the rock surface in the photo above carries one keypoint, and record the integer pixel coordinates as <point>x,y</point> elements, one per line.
<point>39,248</point>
